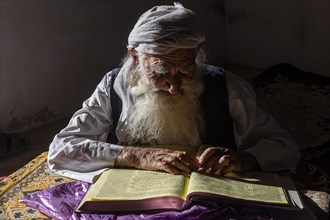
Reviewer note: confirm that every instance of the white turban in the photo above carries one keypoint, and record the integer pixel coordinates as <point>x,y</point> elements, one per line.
<point>163,29</point>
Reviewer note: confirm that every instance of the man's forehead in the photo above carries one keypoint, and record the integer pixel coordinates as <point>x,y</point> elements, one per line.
<point>181,57</point>
<point>154,61</point>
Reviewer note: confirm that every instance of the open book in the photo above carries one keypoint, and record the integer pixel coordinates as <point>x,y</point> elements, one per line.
<point>129,190</point>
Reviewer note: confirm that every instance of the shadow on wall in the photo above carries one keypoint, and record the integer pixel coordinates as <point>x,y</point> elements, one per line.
<point>45,115</point>
<point>54,53</point>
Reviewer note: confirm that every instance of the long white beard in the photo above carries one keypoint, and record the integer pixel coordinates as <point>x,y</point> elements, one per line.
<point>158,118</point>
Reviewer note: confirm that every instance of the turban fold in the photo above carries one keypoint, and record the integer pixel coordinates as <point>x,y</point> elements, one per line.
<point>164,29</point>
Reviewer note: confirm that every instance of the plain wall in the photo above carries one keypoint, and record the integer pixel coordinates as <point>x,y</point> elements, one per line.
<point>264,33</point>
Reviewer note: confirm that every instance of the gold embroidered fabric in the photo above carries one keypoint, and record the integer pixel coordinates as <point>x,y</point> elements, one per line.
<point>34,176</point>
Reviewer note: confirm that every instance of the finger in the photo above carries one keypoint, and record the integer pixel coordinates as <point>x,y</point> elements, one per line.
<point>194,160</point>
<point>189,159</point>
<point>183,156</point>
<point>229,168</point>
<point>208,167</point>
<point>208,153</point>
<point>174,160</point>
<point>165,166</point>
<point>181,166</point>
<point>218,172</point>
<point>221,167</point>
<point>235,165</point>
<point>228,163</point>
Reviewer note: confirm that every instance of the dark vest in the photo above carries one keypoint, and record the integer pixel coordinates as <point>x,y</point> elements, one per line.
<point>214,101</point>
<point>218,122</point>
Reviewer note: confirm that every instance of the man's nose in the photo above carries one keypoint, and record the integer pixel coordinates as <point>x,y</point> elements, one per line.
<point>174,84</point>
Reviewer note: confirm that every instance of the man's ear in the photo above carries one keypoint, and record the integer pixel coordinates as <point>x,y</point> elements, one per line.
<point>133,54</point>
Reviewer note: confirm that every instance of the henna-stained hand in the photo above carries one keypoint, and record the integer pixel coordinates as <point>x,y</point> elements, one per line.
<point>219,161</point>
<point>174,162</point>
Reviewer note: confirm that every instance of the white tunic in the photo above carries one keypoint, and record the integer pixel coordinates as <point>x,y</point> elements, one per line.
<point>80,150</point>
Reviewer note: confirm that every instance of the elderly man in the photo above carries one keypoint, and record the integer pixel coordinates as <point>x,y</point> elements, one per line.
<point>165,94</point>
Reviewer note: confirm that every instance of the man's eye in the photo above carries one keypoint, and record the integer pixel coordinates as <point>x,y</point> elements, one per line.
<point>160,70</point>
<point>184,71</point>
<point>187,70</point>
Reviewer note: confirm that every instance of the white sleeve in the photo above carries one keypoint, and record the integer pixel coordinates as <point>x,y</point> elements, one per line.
<point>257,132</point>
<point>80,150</point>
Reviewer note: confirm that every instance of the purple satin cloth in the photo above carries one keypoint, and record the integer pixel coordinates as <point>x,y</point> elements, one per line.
<point>60,202</point>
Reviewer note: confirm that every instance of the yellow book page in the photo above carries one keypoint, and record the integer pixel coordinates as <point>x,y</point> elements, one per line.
<point>251,190</point>
<point>131,184</point>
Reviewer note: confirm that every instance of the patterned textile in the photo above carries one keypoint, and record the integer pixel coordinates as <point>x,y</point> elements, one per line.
<point>299,101</point>
<point>319,202</point>
<point>34,176</point>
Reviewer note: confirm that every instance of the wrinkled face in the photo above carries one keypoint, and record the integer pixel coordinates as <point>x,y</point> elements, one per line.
<point>167,76</point>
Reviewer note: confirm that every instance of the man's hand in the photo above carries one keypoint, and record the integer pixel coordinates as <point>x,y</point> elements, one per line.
<point>174,162</point>
<point>219,161</point>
